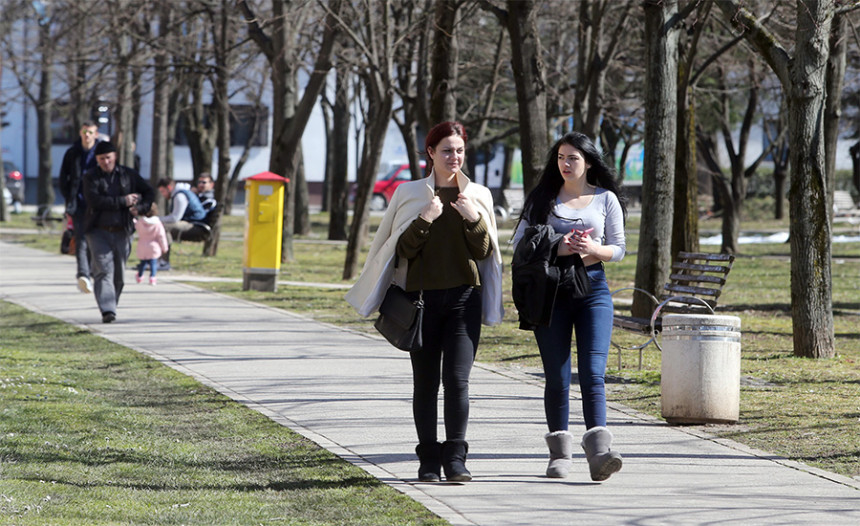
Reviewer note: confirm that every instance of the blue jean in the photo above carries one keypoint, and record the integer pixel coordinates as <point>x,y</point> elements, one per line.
<point>451,330</point>
<point>151,263</point>
<point>591,318</point>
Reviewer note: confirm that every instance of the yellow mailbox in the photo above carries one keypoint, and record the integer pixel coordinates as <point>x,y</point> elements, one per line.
<point>264,210</point>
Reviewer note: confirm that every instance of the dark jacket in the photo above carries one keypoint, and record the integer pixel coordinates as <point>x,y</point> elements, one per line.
<point>107,209</point>
<point>535,276</point>
<point>71,177</point>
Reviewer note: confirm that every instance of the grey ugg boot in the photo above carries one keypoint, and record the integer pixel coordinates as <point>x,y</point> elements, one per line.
<point>454,460</point>
<point>602,462</point>
<point>430,458</point>
<point>560,445</point>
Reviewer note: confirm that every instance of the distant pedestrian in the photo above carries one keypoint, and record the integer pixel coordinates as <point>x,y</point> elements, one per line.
<point>115,195</point>
<point>577,197</point>
<point>79,159</point>
<point>151,243</point>
<point>444,229</point>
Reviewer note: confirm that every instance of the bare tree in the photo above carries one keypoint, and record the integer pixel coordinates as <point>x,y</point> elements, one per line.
<point>376,41</point>
<point>223,31</point>
<point>529,77</point>
<point>685,234</point>
<point>733,189</point>
<point>289,117</point>
<point>803,78</point>
<point>443,80</point>
<point>835,77</point>
<point>658,172</point>
<point>163,88</point>
<point>597,46</point>
<point>339,195</point>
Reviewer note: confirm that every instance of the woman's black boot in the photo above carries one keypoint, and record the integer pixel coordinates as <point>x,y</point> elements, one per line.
<point>430,457</point>
<point>454,461</point>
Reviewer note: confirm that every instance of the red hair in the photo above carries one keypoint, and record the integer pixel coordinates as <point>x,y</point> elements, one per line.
<point>442,130</point>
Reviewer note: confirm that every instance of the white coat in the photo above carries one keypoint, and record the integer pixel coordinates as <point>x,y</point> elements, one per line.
<point>407,202</point>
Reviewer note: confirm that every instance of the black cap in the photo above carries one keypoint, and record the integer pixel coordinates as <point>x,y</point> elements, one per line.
<point>105,147</point>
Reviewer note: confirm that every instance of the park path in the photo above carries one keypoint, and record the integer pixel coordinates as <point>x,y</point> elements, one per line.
<point>350,393</point>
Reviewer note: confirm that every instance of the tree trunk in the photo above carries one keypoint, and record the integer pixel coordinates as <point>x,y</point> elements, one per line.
<point>835,77</point>
<point>223,35</point>
<point>530,80</point>
<point>779,190</point>
<point>803,79</point>
<point>44,110</point>
<point>339,177</point>
<point>685,234</point>
<point>199,129</point>
<point>4,211</point>
<point>658,177</point>
<point>811,299</point>
<point>328,126</point>
<point>443,82</point>
<point>378,115</point>
<point>161,102</point>
<point>302,216</point>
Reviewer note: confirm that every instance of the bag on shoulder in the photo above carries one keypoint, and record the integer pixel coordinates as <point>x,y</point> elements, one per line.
<point>401,319</point>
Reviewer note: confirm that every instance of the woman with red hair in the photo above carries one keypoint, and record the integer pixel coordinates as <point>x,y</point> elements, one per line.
<point>444,228</point>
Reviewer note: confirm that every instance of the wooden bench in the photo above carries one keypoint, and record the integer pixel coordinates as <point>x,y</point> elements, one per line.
<point>514,198</point>
<point>45,219</point>
<point>843,205</point>
<point>694,287</point>
<point>202,230</point>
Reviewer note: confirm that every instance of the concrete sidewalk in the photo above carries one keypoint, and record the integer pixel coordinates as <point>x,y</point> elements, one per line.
<point>351,393</point>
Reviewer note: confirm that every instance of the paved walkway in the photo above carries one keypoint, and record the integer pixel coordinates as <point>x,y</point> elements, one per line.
<point>350,393</point>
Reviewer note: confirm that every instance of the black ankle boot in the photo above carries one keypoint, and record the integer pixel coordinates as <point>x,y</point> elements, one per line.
<point>430,457</point>
<point>454,461</point>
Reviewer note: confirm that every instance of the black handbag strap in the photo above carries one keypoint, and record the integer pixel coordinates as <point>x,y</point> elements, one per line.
<point>396,262</point>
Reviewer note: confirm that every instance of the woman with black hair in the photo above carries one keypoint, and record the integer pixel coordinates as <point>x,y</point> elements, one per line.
<point>578,197</point>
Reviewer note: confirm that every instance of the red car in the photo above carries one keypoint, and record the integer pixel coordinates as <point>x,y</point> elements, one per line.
<point>385,186</point>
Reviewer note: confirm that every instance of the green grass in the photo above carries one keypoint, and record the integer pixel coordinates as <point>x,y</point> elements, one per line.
<point>94,433</point>
<point>807,410</point>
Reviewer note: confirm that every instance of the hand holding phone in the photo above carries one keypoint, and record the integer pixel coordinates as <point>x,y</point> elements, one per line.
<point>581,233</point>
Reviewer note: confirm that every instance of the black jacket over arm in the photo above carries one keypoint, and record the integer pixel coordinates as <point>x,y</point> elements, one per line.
<point>535,276</point>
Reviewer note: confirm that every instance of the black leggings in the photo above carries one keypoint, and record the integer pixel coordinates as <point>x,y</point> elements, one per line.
<point>452,327</point>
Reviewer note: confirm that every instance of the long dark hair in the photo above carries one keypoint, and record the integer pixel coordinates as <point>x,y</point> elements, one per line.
<point>541,199</point>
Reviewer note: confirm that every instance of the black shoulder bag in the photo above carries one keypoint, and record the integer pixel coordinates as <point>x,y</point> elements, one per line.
<point>400,318</point>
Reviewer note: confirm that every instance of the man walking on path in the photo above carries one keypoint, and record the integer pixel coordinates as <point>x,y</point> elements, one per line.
<point>114,195</point>
<point>79,159</point>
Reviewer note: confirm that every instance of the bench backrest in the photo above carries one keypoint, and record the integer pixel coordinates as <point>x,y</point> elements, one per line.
<point>842,201</point>
<point>696,276</point>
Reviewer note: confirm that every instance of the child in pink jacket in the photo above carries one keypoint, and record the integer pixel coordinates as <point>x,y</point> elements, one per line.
<point>151,243</point>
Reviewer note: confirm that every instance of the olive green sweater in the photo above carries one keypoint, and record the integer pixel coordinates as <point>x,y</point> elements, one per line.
<point>449,248</point>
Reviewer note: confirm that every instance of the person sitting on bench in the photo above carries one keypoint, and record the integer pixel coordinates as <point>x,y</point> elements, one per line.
<point>205,190</point>
<point>185,208</point>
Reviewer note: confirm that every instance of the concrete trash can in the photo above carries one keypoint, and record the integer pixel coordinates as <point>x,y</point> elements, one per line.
<point>701,369</point>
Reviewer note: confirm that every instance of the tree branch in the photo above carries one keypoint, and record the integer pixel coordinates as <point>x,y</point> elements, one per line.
<point>759,37</point>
